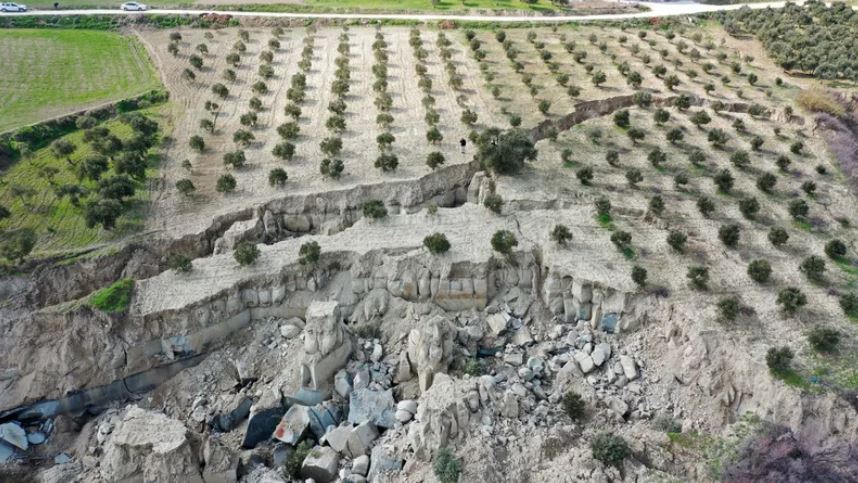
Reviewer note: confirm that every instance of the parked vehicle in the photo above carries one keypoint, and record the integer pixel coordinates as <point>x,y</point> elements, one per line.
<point>12,7</point>
<point>134,7</point>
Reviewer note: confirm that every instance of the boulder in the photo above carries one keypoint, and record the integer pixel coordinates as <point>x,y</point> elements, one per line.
<point>409,405</point>
<point>383,462</point>
<point>14,434</point>
<point>261,425</point>
<point>630,369</point>
<point>601,353</point>
<point>377,407</point>
<point>321,465</point>
<point>585,362</point>
<point>522,337</point>
<point>289,331</point>
<point>509,406</point>
<point>360,465</point>
<point>294,425</point>
<point>343,384</point>
<point>221,463</point>
<point>403,416</point>
<point>497,323</point>
<point>338,438</point>
<point>149,446</point>
<point>618,406</point>
<point>361,438</point>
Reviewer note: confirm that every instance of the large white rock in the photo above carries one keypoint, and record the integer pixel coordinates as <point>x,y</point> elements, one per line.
<point>149,446</point>
<point>601,353</point>
<point>630,369</point>
<point>321,464</point>
<point>585,362</point>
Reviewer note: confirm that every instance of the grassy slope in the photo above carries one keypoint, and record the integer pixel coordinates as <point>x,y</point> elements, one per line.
<point>59,224</point>
<point>49,72</point>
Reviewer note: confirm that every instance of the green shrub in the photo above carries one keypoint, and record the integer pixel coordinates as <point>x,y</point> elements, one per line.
<point>436,243</point>
<point>760,271</point>
<point>16,245</point>
<point>180,263</point>
<point>791,299</point>
<point>676,239</point>
<point>621,239</point>
<point>374,209</point>
<point>494,202</point>
<point>115,298</point>
<point>706,206</point>
<point>729,235</point>
<point>849,304</point>
<point>749,207</point>
<point>296,459</point>
<point>728,308</point>
<point>621,118</point>
<point>778,236</point>
<point>835,249</point>
<point>813,268</point>
<point>633,176</point>
<point>724,180</point>
<point>245,253</point>
<point>503,241</point>
<point>639,276</point>
<point>446,466</point>
<point>309,253</point>
<point>574,405</point>
<point>585,175</point>
<point>779,360</point>
<point>766,182</point>
<point>225,184</point>
<point>656,205</point>
<point>698,277</point>
<point>610,449</point>
<point>798,209</point>
<point>823,339</point>
<point>561,234</point>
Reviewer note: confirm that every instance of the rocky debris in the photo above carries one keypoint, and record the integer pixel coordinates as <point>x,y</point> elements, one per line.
<point>229,421</point>
<point>14,434</point>
<point>373,406</point>
<point>430,348</point>
<point>221,463</point>
<point>321,465</point>
<point>149,446</point>
<point>383,462</point>
<point>601,353</point>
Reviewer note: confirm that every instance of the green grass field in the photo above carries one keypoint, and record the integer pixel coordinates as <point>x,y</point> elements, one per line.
<point>59,224</point>
<point>48,72</point>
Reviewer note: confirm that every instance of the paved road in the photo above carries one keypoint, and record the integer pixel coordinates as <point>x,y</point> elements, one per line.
<point>656,10</point>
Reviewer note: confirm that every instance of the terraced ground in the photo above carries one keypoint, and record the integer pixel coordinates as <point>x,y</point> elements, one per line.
<point>723,109</point>
<point>46,73</point>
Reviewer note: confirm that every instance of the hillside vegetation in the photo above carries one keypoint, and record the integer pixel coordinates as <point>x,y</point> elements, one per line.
<point>816,38</point>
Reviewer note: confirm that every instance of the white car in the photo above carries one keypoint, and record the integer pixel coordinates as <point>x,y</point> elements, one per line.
<point>134,7</point>
<point>12,7</point>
